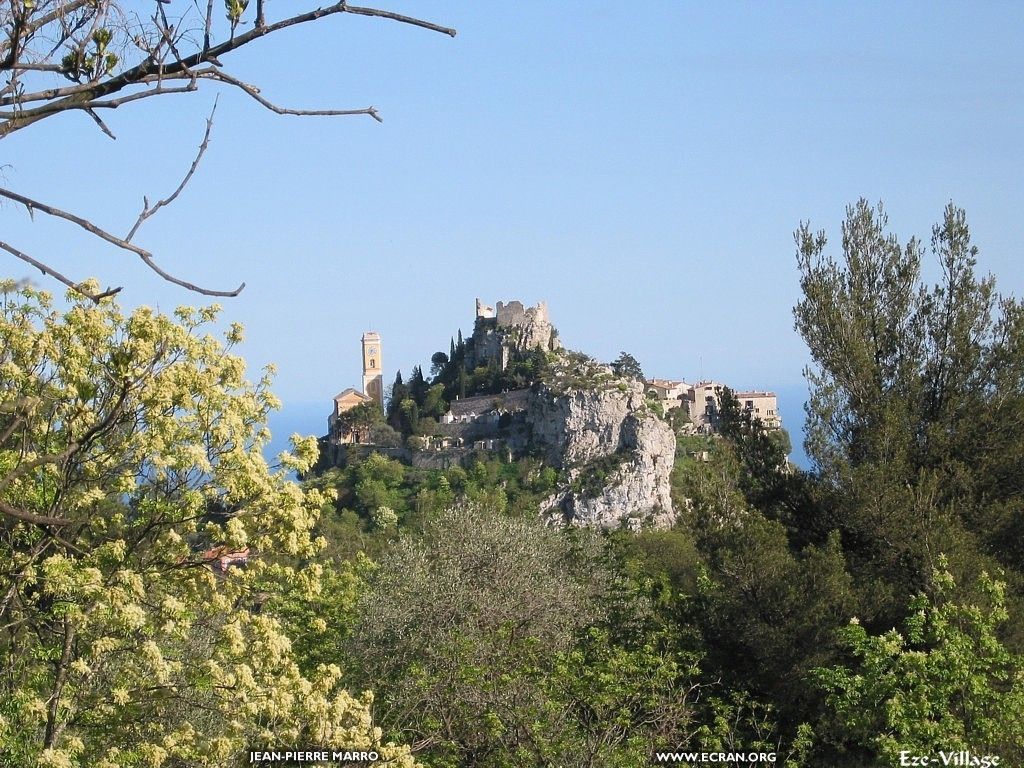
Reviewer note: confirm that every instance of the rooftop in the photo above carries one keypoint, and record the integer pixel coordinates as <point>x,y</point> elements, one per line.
<point>351,391</point>
<point>666,383</point>
<point>515,400</point>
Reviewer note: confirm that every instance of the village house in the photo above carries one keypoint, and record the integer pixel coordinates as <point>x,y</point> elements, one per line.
<point>702,402</point>
<point>668,392</point>
<point>762,405</point>
<point>486,409</point>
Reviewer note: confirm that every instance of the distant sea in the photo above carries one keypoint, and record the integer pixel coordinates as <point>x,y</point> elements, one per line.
<point>792,398</point>
<point>310,418</point>
<point>304,418</point>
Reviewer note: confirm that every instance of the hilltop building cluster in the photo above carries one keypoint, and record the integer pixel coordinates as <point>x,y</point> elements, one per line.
<point>702,403</point>
<point>502,390</point>
<point>501,333</point>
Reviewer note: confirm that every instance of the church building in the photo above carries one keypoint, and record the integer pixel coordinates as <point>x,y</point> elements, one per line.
<point>373,391</point>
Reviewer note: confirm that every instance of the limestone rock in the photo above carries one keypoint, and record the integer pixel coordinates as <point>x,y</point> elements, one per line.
<point>616,454</point>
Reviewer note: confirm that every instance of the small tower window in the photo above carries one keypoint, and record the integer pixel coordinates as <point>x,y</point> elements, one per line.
<point>373,363</point>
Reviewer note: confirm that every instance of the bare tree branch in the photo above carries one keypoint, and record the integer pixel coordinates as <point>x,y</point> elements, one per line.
<point>146,210</point>
<point>148,259</point>
<point>48,270</point>
<point>254,92</point>
<point>142,253</point>
<point>62,10</point>
<point>399,17</point>
<point>139,73</point>
<point>158,90</point>
<point>30,67</point>
<point>29,517</point>
<point>95,36</point>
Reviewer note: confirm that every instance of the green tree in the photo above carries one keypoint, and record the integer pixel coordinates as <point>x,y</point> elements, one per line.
<point>434,404</point>
<point>627,366</point>
<point>766,604</point>
<point>418,386</point>
<point>489,644</point>
<point>399,393</point>
<point>915,389</point>
<point>768,481</point>
<point>130,463</point>
<point>945,684</point>
<point>359,421</point>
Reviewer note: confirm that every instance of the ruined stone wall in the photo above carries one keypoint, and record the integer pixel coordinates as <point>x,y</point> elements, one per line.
<point>515,314</point>
<point>511,327</point>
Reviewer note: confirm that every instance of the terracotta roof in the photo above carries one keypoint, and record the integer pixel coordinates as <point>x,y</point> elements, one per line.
<point>221,558</point>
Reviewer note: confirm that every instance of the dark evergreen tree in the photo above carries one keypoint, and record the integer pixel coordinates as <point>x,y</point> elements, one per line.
<point>399,392</point>
<point>438,362</point>
<point>768,481</point>
<point>916,391</point>
<point>418,385</point>
<point>626,365</point>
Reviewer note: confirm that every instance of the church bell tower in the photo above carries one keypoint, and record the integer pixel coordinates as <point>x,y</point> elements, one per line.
<point>373,375</point>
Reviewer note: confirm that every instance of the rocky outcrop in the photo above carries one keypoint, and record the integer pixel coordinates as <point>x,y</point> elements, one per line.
<point>615,454</point>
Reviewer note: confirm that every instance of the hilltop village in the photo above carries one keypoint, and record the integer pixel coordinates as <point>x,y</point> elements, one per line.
<point>511,388</point>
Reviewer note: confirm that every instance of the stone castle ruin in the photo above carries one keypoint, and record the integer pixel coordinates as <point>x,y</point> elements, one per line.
<point>507,329</point>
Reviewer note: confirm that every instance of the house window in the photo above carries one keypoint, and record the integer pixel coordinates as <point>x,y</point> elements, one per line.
<point>750,405</point>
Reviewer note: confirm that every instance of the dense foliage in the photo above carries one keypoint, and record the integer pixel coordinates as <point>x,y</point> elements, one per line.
<point>772,617</point>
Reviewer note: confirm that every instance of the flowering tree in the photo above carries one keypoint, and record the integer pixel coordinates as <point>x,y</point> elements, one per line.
<point>130,469</point>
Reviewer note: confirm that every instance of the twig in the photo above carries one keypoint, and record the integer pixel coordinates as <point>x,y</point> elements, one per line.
<point>48,270</point>
<point>146,210</point>
<point>88,226</point>
<point>115,103</point>
<point>254,92</point>
<point>166,31</point>
<point>209,28</point>
<point>100,123</point>
<point>398,17</point>
<point>185,284</point>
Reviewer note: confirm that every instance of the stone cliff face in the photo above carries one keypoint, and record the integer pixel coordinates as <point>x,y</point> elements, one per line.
<point>615,453</point>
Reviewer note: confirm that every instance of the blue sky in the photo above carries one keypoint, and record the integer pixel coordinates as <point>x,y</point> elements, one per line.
<point>639,166</point>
